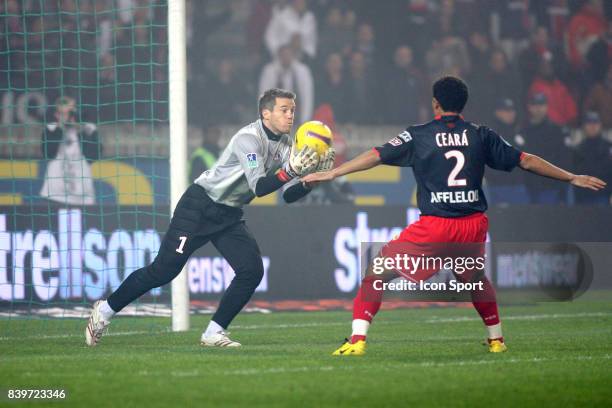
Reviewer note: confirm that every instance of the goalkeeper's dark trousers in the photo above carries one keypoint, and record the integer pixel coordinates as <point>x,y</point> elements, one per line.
<point>196,221</point>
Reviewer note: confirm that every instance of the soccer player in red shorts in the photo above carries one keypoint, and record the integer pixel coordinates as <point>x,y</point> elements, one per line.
<point>448,156</point>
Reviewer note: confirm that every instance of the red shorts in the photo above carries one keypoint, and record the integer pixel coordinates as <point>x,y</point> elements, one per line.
<point>441,241</point>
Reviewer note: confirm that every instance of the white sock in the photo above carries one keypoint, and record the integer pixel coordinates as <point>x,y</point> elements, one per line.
<point>106,311</point>
<point>495,331</point>
<point>360,327</point>
<point>213,328</point>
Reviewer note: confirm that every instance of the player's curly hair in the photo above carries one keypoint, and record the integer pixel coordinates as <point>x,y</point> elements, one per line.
<point>451,93</point>
<point>268,98</point>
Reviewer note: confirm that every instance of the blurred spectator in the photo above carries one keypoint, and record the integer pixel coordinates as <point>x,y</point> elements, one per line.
<point>288,73</point>
<point>159,37</point>
<point>260,14</point>
<point>142,57</point>
<point>70,46</point>
<point>448,56</point>
<point>505,187</point>
<point>226,37</point>
<point>205,24</point>
<point>205,156</point>
<point>126,74</point>
<point>337,34</point>
<point>419,27</point>
<point>552,14</point>
<point>584,29</point>
<point>511,23</point>
<point>447,23</point>
<point>549,141</point>
<point>128,9</point>
<point>105,27</point>
<point>36,52</point>
<point>540,46</point>
<point>69,146</point>
<point>599,56</point>
<point>365,43</point>
<point>599,99</point>
<point>468,14</point>
<point>12,21</point>
<point>134,63</point>
<point>498,81</point>
<point>289,19</point>
<point>405,90</point>
<point>87,28</point>
<point>325,114</point>
<point>332,87</point>
<point>362,102</point>
<point>479,49</point>
<point>12,63</point>
<point>225,96</point>
<point>594,157</point>
<point>298,51</point>
<point>562,109</point>
<point>106,90</point>
<point>505,121</point>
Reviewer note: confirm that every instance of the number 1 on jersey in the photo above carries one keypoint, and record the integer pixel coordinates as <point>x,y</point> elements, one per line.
<point>181,245</point>
<point>453,181</point>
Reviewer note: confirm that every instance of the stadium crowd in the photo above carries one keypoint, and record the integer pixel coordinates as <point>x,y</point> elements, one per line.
<point>539,71</point>
<point>110,55</point>
<point>374,65</point>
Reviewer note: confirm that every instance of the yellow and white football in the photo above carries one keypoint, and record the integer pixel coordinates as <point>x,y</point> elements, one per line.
<point>317,135</point>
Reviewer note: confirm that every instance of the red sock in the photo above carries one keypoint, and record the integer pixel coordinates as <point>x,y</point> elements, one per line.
<point>485,303</point>
<point>368,300</point>
<point>356,337</point>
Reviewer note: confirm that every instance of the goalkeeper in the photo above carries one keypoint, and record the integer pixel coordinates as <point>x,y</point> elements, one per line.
<point>258,160</point>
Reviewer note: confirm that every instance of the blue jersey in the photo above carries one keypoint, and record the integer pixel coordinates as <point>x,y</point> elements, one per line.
<point>448,156</point>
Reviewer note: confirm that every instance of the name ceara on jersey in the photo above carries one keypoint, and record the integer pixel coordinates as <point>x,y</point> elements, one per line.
<point>454,197</point>
<point>452,139</point>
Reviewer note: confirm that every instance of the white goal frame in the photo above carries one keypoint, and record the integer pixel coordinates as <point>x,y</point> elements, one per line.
<point>177,100</point>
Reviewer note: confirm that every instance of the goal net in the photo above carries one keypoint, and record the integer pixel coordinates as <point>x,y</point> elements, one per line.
<point>84,153</point>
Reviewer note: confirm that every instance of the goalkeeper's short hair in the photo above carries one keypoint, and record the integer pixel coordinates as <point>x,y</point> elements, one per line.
<point>268,98</point>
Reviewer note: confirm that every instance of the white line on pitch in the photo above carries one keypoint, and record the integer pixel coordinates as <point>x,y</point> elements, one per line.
<point>68,335</point>
<point>305,325</point>
<point>519,317</point>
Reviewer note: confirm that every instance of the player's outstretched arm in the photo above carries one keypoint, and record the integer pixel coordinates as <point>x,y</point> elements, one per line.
<point>301,189</point>
<point>364,161</point>
<point>302,162</point>
<point>537,165</point>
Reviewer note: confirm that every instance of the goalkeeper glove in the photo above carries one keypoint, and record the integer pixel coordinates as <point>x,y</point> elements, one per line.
<point>327,161</point>
<point>301,163</point>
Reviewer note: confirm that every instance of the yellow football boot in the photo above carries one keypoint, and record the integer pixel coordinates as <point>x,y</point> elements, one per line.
<point>497,346</point>
<point>350,349</point>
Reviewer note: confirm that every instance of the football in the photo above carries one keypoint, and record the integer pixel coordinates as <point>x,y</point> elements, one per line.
<point>314,134</point>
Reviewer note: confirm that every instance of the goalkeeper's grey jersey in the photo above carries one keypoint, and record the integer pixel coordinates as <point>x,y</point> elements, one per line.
<point>249,156</point>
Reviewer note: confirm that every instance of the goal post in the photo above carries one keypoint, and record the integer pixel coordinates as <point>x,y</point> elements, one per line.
<point>177,82</point>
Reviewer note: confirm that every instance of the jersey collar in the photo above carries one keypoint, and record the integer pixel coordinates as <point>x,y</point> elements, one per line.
<point>449,117</point>
<point>271,135</point>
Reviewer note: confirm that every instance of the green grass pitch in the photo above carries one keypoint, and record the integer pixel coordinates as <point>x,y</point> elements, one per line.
<point>559,355</point>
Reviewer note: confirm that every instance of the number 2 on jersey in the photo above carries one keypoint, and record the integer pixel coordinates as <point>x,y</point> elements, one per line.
<point>453,181</point>
<point>181,245</point>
